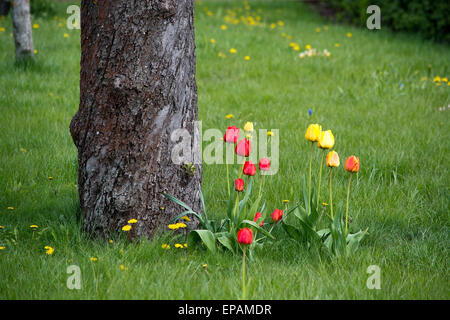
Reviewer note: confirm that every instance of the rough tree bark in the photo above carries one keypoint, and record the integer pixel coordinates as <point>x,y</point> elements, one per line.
<point>23,37</point>
<point>137,85</point>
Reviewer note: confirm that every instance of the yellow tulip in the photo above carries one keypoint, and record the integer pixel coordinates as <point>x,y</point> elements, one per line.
<point>326,140</point>
<point>313,132</point>
<point>248,127</point>
<point>332,159</point>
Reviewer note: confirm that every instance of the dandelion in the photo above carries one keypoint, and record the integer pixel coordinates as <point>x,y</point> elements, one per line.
<point>336,45</point>
<point>317,29</point>
<point>229,116</point>
<point>297,48</point>
<point>173,226</point>
<point>10,208</point>
<point>179,246</point>
<point>204,266</point>
<point>185,218</point>
<point>2,248</point>
<point>66,35</point>
<point>185,245</point>
<point>2,227</point>
<point>246,58</point>
<point>49,250</point>
<point>132,221</point>
<point>34,226</point>
<point>111,241</point>
<point>2,29</point>
<point>93,259</point>
<point>325,28</point>
<point>165,246</point>
<point>35,51</point>
<point>273,26</point>
<point>233,50</point>
<point>220,54</point>
<point>122,267</point>
<point>269,133</point>
<point>23,150</point>
<point>248,127</point>
<point>126,228</point>
<point>35,26</point>
<point>181,225</point>
<point>349,34</point>
<point>444,79</point>
<point>308,47</point>
<point>212,40</point>
<point>324,204</point>
<point>284,35</point>
<point>223,27</point>
<point>437,79</point>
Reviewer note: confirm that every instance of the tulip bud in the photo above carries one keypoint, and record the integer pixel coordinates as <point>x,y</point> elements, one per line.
<point>231,135</point>
<point>257,216</point>
<point>332,159</point>
<point>239,185</point>
<point>264,164</point>
<point>326,140</point>
<point>352,164</point>
<point>249,168</point>
<point>313,132</point>
<point>276,215</point>
<point>245,236</point>
<point>243,148</point>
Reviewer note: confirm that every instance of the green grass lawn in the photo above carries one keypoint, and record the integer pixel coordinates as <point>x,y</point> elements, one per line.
<point>375,92</point>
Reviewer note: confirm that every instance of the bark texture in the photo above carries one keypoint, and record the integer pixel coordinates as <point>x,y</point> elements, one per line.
<point>23,37</point>
<point>137,85</point>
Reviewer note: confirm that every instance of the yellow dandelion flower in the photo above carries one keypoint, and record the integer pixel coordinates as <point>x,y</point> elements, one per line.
<point>2,248</point>
<point>444,79</point>
<point>325,28</point>
<point>223,27</point>
<point>324,203</point>
<point>204,266</point>
<point>289,37</point>
<point>269,133</point>
<point>93,259</point>
<point>173,226</point>
<point>292,44</point>
<point>66,35</point>
<point>229,116</point>
<point>49,250</point>
<point>336,45</point>
<point>437,79</point>
<point>126,228</point>
<point>318,30</point>
<point>122,267</point>
<point>280,23</point>
<point>34,226</point>
<point>2,29</point>
<point>246,58</point>
<point>185,218</point>
<point>284,35</point>
<point>233,50</point>
<point>178,245</point>
<point>132,221</point>
<point>297,48</point>
<point>349,34</point>
<point>213,40</point>
<point>285,201</point>
<point>165,246</point>
<point>185,245</point>
<point>35,26</point>
<point>181,225</point>
<point>10,208</point>
<point>308,47</point>
<point>111,241</point>
<point>2,227</point>
<point>220,54</point>
<point>273,26</point>
<point>23,150</point>
<point>35,51</point>
<point>60,25</point>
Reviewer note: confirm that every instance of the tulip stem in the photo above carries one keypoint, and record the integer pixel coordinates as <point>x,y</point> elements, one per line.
<point>242,169</point>
<point>244,293</point>
<point>236,205</point>
<point>228,179</point>
<point>331,192</point>
<point>320,180</point>
<point>346,209</point>
<point>309,180</point>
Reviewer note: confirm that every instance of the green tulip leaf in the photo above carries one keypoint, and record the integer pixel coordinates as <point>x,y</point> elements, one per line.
<point>205,236</point>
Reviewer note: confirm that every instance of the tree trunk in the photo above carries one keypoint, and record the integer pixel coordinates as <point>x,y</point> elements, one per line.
<point>4,7</point>
<point>23,37</point>
<point>137,85</point>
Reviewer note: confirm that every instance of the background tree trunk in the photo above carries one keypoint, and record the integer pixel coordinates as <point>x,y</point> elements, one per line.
<point>137,85</point>
<point>23,37</point>
<point>4,7</point>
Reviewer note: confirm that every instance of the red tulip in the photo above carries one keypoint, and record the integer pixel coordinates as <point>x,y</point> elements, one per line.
<point>277,215</point>
<point>239,185</point>
<point>249,168</point>
<point>257,216</point>
<point>231,135</point>
<point>245,236</point>
<point>243,148</point>
<point>264,164</point>
<point>352,164</point>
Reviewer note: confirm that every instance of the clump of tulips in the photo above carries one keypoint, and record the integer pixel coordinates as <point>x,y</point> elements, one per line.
<point>244,210</point>
<point>303,226</point>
